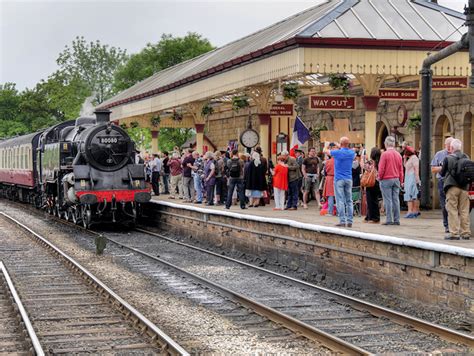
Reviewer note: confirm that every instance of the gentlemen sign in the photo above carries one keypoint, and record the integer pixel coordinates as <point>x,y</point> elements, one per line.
<point>332,102</point>
<point>450,83</point>
<point>282,110</point>
<point>398,94</point>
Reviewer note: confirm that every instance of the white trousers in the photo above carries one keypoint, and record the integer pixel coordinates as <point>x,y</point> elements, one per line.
<point>279,195</point>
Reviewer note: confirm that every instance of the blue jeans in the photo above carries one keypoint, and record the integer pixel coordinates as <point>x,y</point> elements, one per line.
<point>166,178</point>
<point>345,209</point>
<point>239,183</point>
<point>198,187</point>
<point>391,199</point>
<point>331,205</point>
<point>292,194</point>
<point>442,202</point>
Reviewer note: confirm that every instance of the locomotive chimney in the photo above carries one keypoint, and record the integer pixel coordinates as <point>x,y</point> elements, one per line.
<point>102,116</point>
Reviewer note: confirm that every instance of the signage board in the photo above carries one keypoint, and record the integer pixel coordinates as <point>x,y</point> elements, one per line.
<point>282,110</point>
<point>450,83</point>
<point>332,102</point>
<point>398,94</point>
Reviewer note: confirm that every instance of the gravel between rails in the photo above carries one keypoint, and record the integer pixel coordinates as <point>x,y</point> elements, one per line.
<point>67,314</point>
<point>13,335</point>
<point>201,323</point>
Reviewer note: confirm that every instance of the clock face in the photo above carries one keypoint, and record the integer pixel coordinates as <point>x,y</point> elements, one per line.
<point>249,138</point>
<point>402,115</point>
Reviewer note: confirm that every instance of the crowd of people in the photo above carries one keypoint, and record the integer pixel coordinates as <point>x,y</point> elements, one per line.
<point>335,178</point>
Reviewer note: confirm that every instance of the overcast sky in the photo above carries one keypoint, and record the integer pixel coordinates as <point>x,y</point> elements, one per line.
<point>33,33</point>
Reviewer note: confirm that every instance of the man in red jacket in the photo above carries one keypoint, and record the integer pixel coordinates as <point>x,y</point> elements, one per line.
<point>390,176</point>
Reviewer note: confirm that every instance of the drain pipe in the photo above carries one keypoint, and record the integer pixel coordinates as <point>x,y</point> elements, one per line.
<point>426,98</point>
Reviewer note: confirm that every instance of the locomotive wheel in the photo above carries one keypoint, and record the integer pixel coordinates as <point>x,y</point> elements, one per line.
<point>76,215</point>
<point>86,217</point>
<point>68,214</point>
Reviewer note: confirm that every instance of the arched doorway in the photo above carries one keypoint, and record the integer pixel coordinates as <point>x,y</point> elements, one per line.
<point>382,133</point>
<point>442,130</point>
<point>468,135</point>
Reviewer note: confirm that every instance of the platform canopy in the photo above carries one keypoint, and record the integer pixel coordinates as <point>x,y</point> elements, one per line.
<point>388,38</point>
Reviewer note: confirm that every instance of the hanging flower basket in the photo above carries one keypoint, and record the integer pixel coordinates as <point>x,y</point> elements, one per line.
<point>291,91</point>
<point>177,116</point>
<point>340,81</point>
<point>155,121</point>
<point>207,110</point>
<point>124,126</point>
<point>134,124</point>
<point>240,102</point>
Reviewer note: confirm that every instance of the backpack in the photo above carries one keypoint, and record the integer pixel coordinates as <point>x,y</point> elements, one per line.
<point>463,172</point>
<point>234,170</point>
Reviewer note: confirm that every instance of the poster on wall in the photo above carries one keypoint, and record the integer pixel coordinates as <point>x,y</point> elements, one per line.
<point>233,145</point>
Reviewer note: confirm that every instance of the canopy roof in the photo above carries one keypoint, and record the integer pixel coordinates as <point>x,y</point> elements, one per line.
<point>400,24</point>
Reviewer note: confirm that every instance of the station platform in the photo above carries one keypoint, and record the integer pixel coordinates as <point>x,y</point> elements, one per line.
<point>426,228</point>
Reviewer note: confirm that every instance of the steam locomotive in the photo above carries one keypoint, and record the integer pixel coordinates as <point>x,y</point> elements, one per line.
<point>82,170</point>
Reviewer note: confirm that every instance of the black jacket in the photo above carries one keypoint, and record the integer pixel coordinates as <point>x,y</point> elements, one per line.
<point>449,168</point>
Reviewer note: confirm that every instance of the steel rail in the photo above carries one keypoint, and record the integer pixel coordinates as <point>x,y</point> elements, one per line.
<point>38,349</point>
<point>376,310</point>
<point>168,345</point>
<point>297,326</point>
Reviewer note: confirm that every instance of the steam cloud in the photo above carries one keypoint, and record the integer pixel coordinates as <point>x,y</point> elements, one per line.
<point>87,108</point>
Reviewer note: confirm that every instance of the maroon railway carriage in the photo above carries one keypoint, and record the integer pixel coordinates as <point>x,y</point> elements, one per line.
<point>18,173</point>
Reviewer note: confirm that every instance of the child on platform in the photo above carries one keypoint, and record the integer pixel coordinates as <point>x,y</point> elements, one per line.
<point>280,183</point>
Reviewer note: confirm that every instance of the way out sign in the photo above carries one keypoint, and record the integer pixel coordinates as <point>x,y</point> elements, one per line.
<point>332,102</point>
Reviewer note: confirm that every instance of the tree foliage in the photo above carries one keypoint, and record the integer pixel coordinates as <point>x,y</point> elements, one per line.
<point>93,63</point>
<point>65,94</point>
<point>168,52</point>
<point>141,137</point>
<point>171,137</point>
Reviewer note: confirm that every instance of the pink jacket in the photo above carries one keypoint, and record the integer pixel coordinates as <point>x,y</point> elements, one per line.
<point>391,165</point>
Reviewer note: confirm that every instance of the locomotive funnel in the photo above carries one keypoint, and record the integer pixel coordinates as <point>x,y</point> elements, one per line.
<point>102,116</point>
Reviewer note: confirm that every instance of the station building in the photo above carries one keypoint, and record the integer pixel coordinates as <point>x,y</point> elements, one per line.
<point>357,60</point>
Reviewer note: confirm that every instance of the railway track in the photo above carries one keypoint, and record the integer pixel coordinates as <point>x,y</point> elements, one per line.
<point>16,332</point>
<point>342,323</point>
<point>69,308</point>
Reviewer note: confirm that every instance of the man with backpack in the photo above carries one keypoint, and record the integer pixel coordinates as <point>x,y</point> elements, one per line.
<point>457,173</point>
<point>236,179</point>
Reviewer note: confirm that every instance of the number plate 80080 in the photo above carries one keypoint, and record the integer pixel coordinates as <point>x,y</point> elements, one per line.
<point>108,140</point>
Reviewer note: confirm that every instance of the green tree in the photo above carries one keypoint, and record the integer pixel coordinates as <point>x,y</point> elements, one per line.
<point>10,101</point>
<point>171,137</point>
<point>36,111</point>
<point>168,52</point>
<point>65,93</point>
<point>94,63</point>
<point>141,137</point>
<point>9,128</point>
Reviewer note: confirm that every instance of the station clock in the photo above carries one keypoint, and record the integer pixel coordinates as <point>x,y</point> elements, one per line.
<point>249,138</point>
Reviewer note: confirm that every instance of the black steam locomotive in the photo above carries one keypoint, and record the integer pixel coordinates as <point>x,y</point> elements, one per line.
<point>82,170</point>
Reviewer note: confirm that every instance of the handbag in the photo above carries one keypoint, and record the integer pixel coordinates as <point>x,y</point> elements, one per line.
<point>368,178</point>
